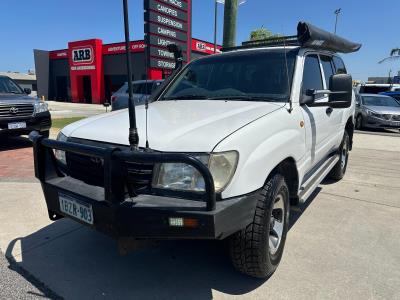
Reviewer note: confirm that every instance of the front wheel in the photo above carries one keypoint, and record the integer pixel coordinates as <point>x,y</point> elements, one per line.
<point>339,169</point>
<point>257,249</point>
<point>359,122</point>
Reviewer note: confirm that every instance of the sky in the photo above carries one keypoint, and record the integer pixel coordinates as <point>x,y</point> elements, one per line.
<point>50,24</point>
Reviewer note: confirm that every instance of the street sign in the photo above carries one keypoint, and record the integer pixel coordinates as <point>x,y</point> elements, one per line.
<point>167,22</point>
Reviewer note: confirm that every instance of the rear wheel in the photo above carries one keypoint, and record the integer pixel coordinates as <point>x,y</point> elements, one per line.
<point>339,169</point>
<point>257,249</point>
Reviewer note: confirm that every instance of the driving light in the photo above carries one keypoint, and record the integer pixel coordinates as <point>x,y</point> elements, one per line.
<point>40,107</point>
<point>183,177</point>
<point>60,155</point>
<point>183,222</point>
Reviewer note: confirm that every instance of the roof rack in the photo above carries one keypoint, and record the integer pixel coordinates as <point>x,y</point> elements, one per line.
<point>308,36</point>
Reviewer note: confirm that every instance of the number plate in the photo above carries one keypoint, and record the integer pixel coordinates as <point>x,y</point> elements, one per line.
<point>76,208</point>
<point>17,125</point>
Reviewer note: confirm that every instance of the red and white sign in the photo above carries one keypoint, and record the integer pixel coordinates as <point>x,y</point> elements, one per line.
<point>204,47</point>
<point>119,48</point>
<point>82,55</point>
<point>58,54</point>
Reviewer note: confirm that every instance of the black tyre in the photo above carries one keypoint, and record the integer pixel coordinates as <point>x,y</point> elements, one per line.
<point>359,122</point>
<point>339,169</point>
<point>257,250</point>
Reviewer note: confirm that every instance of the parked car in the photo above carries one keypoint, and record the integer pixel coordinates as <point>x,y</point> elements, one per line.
<point>376,88</point>
<point>395,95</point>
<point>377,111</point>
<point>233,140</point>
<point>142,89</point>
<point>19,113</point>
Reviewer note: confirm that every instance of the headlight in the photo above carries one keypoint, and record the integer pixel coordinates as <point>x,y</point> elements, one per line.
<point>178,176</point>
<point>40,107</point>
<point>373,114</point>
<point>60,155</point>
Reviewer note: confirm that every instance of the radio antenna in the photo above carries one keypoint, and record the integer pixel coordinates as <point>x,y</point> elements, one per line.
<point>147,96</point>
<point>133,132</point>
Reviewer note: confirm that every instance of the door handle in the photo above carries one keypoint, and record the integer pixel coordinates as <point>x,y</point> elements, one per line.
<point>329,110</point>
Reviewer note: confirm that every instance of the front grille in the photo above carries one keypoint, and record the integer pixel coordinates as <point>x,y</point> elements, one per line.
<point>16,110</point>
<point>85,168</point>
<point>396,117</point>
<point>91,171</point>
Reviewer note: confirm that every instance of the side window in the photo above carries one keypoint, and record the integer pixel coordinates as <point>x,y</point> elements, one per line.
<point>327,67</point>
<point>339,65</point>
<point>312,78</point>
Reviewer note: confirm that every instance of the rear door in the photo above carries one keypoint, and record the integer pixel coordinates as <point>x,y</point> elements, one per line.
<point>317,119</point>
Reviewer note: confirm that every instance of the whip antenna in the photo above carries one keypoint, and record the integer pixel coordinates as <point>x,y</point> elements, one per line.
<point>133,133</point>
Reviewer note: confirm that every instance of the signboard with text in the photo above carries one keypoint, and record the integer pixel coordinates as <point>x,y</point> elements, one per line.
<point>167,22</point>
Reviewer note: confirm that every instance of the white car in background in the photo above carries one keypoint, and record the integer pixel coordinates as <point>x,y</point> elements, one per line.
<point>142,90</point>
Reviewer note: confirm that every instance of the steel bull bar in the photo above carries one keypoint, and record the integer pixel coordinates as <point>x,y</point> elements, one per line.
<point>114,158</point>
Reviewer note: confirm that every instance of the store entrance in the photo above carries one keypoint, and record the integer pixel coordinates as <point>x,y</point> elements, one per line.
<point>87,89</point>
<point>62,88</point>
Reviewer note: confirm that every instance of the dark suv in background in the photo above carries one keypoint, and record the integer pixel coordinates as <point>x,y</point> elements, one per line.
<point>19,113</point>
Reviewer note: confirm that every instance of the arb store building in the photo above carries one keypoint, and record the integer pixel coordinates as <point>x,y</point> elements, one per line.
<point>89,71</point>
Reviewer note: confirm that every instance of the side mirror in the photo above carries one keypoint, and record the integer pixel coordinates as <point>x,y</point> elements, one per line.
<point>27,91</point>
<point>341,87</point>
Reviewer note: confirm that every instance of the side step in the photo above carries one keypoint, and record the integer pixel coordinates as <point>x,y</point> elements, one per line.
<point>311,184</point>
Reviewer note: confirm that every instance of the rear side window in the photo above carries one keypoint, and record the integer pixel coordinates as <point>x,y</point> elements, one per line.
<point>339,65</point>
<point>326,62</point>
<point>312,78</point>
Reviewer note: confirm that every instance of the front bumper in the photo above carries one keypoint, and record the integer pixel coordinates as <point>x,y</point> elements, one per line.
<point>144,216</point>
<point>40,122</point>
<point>373,122</point>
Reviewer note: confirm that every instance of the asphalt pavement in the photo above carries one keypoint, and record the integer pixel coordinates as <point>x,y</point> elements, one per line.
<point>344,243</point>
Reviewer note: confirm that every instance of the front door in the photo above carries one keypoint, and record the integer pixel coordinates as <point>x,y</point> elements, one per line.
<point>87,89</point>
<point>317,119</point>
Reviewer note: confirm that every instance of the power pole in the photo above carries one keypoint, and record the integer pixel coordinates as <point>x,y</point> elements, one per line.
<point>230,18</point>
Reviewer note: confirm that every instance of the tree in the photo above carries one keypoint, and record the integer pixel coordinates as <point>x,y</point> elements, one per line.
<point>395,51</point>
<point>260,34</point>
<point>394,55</point>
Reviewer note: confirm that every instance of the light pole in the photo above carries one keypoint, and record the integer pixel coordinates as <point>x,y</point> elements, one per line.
<point>337,13</point>
<point>215,25</point>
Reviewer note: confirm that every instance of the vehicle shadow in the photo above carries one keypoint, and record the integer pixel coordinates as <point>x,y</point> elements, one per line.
<point>13,143</point>
<point>75,262</point>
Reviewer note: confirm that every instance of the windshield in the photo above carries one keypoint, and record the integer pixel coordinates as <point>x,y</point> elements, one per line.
<point>260,75</point>
<point>380,101</point>
<point>7,86</point>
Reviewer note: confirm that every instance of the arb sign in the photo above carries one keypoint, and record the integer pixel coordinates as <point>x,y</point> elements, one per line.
<point>82,55</point>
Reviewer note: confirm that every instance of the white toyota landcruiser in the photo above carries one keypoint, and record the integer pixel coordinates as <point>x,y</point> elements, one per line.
<point>227,145</point>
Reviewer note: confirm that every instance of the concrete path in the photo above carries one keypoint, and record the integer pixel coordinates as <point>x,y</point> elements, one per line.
<point>68,110</point>
<point>343,244</point>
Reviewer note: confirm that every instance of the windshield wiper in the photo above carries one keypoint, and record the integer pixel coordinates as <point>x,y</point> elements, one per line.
<point>186,97</point>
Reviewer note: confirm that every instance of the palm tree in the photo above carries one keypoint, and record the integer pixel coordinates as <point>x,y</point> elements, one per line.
<point>394,55</point>
<point>395,51</point>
